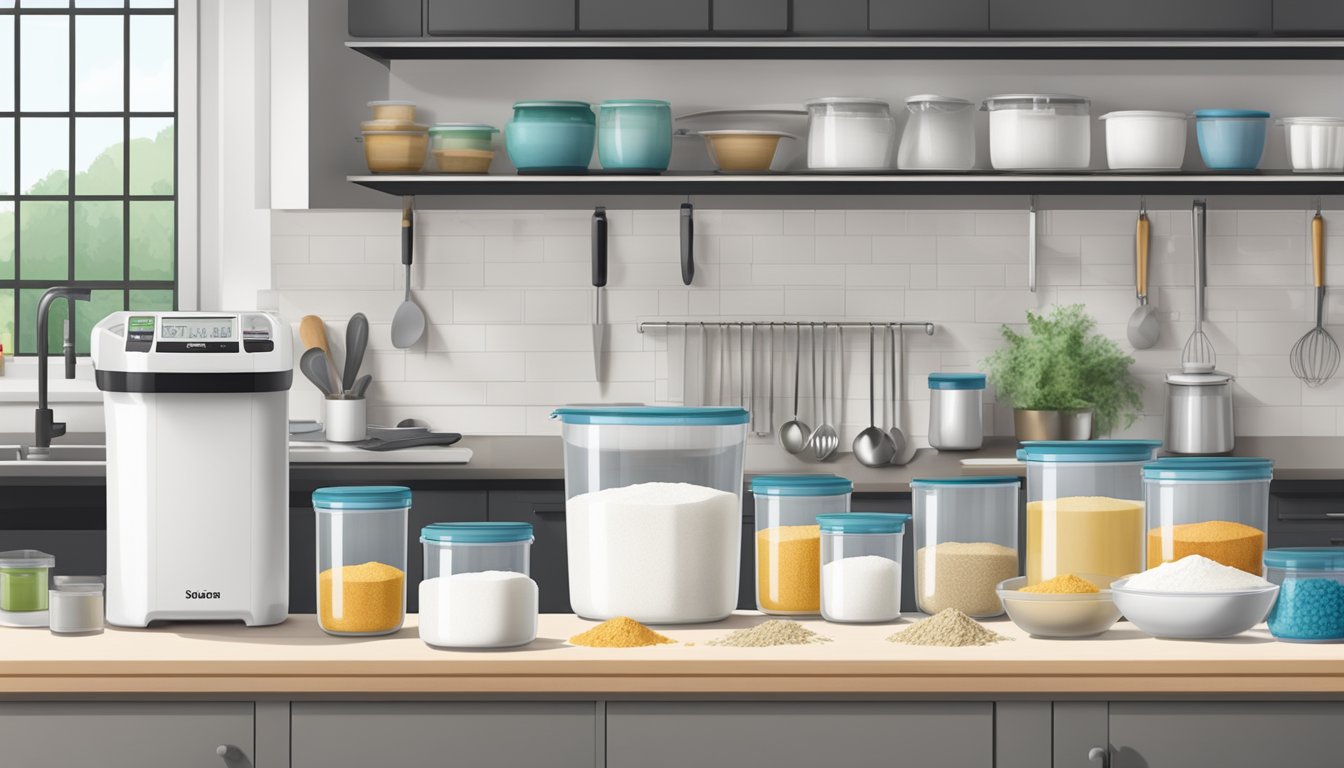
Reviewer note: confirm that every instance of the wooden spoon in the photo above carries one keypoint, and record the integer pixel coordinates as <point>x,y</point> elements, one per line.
<point>313,335</point>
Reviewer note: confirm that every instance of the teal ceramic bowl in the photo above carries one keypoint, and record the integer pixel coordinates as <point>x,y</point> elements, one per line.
<point>551,136</point>
<point>634,135</point>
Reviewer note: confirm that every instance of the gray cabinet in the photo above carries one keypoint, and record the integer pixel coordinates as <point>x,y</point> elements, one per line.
<point>1147,17</point>
<point>751,16</point>
<point>545,511</point>
<point>1308,17</point>
<point>424,734</point>
<point>644,17</point>
<point>774,734</point>
<point>126,734</point>
<point>1194,734</point>
<point>830,17</point>
<point>920,17</point>
<point>385,18</point>
<point>499,17</point>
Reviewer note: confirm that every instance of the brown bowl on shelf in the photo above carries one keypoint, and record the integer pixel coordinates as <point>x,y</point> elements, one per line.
<point>743,151</point>
<point>463,160</point>
<point>395,151</point>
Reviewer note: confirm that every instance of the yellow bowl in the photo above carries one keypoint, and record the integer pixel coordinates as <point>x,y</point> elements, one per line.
<point>463,160</point>
<point>395,151</point>
<point>743,150</point>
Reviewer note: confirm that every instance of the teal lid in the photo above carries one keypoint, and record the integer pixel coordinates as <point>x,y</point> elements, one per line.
<point>956,381</point>
<point>557,104</point>
<point>476,533</point>
<point>362,497</point>
<point>1088,451</point>
<point>1196,469</point>
<point>1241,113</point>
<point>801,485</point>
<point>1306,558</point>
<point>462,128</point>
<point>635,103</point>
<point>970,480</point>
<point>862,522</point>
<point>653,416</point>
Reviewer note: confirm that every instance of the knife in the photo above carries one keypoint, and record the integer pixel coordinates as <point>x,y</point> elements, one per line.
<point>599,237</point>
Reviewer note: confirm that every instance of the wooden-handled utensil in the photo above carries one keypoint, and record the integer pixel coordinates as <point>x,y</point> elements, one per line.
<point>1315,356</point>
<point>1143,328</point>
<point>313,335</point>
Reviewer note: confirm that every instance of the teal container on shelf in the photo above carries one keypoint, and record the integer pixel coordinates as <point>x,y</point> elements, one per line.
<point>551,136</point>
<point>1231,139</point>
<point>634,135</point>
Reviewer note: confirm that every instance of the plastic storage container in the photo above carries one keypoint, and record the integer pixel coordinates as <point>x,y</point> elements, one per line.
<point>653,511</point>
<point>850,134</point>
<point>956,411</point>
<point>1144,140</point>
<point>1310,606</point>
<point>24,588</point>
<point>1231,139</point>
<point>361,558</point>
<point>1039,132</point>
<point>939,135</point>
<point>1215,507</point>
<point>788,540</point>
<point>634,135</point>
<point>462,147</point>
<point>743,151</point>
<point>965,542</point>
<point>477,592</point>
<point>551,136</point>
<point>1085,506</point>
<point>393,109</point>
<point>1315,143</point>
<point>861,566</point>
<point>394,147</point>
<point>76,605</point>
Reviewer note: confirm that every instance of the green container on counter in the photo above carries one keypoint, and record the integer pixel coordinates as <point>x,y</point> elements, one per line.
<point>23,580</point>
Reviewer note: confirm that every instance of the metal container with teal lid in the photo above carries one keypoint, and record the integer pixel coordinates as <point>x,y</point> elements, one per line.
<point>361,558</point>
<point>551,136</point>
<point>24,587</point>
<point>965,531</point>
<point>653,511</point>
<point>477,591</point>
<point>788,541</point>
<point>1310,605</point>
<point>634,135</point>
<point>861,566</point>
<point>1085,506</point>
<point>956,411</point>
<point>1215,507</point>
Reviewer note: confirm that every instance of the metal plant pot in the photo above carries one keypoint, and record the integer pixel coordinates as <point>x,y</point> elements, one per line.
<point>1052,425</point>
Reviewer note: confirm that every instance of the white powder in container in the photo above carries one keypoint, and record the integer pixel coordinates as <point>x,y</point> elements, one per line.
<point>484,609</point>
<point>76,605</point>
<point>1195,573</point>
<point>850,141</point>
<point>861,589</point>
<point>659,553</point>
<point>1024,139</point>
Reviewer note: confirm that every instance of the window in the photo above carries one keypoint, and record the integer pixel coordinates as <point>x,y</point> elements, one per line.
<point>88,161</point>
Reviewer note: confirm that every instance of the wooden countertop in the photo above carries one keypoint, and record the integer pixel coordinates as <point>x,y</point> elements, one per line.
<point>297,658</point>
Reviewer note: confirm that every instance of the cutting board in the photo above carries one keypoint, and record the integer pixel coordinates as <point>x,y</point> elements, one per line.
<point>307,452</point>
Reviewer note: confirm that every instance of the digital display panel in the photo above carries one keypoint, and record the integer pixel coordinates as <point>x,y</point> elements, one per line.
<point>196,328</point>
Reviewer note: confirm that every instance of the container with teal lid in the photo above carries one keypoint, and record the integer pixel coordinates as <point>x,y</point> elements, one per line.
<point>458,136</point>
<point>1231,139</point>
<point>361,558</point>
<point>634,135</point>
<point>1310,605</point>
<point>1217,507</point>
<point>861,566</point>
<point>956,411</point>
<point>965,542</point>
<point>788,541</point>
<point>551,136</point>
<point>477,591</point>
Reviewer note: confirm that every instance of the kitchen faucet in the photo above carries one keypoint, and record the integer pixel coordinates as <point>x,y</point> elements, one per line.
<point>46,428</point>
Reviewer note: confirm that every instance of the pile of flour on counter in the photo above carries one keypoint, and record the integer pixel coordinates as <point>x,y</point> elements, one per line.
<point>1195,573</point>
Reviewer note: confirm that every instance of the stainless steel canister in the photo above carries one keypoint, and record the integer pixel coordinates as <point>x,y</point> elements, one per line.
<point>1199,412</point>
<point>956,411</point>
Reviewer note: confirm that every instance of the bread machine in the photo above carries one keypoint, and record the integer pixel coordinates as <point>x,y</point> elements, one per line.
<point>197,409</point>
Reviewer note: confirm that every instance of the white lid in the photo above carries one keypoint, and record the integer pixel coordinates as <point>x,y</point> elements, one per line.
<point>1146,113</point>
<point>1312,120</point>
<point>842,100</point>
<point>1031,101</point>
<point>26,558</point>
<point>933,98</point>
<point>745,132</point>
<point>77,584</point>
<point>392,103</point>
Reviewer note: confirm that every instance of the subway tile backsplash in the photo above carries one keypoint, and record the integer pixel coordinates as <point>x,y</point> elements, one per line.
<point>509,299</point>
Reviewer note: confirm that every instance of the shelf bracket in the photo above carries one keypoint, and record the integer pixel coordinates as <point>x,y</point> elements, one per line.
<point>1031,243</point>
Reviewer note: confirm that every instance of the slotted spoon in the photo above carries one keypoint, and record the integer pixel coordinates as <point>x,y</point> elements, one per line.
<point>1315,356</point>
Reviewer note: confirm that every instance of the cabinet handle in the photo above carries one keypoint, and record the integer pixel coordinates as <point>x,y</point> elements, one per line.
<point>1098,756</point>
<point>1337,542</point>
<point>229,752</point>
<point>1334,514</point>
<point>552,508</point>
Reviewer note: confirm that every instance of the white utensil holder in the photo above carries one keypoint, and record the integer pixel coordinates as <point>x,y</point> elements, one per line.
<point>346,419</point>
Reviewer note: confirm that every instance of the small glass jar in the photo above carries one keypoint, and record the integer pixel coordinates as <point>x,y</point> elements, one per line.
<point>23,587</point>
<point>476,592</point>
<point>76,605</point>
<point>1310,605</point>
<point>965,542</point>
<point>361,558</point>
<point>861,567</point>
<point>634,135</point>
<point>847,133</point>
<point>788,540</point>
<point>1215,507</point>
<point>939,136</point>
<point>956,411</point>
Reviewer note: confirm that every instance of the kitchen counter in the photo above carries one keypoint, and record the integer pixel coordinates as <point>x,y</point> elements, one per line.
<point>297,658</point>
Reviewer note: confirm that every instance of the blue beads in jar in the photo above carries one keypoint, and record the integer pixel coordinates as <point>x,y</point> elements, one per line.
<point>1310,606</point>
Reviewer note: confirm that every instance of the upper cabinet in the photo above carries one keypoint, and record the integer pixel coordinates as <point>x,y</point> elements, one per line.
<point>1132,17</point>
<point>498,17</point>
<point>643,17</point>
<point>751,17</point>
<point>920,17</point>
<point>1308,17</point>
<point>390,18</point>
<point>830,17</point>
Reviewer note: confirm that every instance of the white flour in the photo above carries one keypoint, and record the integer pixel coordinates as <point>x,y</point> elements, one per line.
<point>659,553</point>
<point>485,609</point>
<point>850,141</point>
<point>1195,573</point>
<point>861,589</point>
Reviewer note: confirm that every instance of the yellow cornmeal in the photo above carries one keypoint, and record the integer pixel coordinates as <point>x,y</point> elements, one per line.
<point>788,568</point>
<point>1084,534</point>
<point>1234,544</point>
<point>620,632</point>
<point>372,598</point>
<point>1064,584</point>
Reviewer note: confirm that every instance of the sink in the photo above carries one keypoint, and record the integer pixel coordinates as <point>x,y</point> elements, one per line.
<point>62,453</point>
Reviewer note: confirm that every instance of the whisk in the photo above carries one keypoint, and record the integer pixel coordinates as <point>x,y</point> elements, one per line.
<point>1198,353</point>
<point>1315,356</point>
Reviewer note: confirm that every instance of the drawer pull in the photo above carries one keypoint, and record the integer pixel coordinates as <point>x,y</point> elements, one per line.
<point>1334,514</point>
<point>229,752</point>
<point>1098,756</point>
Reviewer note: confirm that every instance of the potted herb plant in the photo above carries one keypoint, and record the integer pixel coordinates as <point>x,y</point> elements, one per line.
<point>1064,381</point>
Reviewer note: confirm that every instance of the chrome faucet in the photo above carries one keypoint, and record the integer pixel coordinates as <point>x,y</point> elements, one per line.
<point>46,428</point>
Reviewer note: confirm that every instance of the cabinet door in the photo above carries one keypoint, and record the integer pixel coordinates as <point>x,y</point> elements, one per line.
<point>751,16</point>
<point>126,734</point>
<point>499,17</point>
<point>1193,734</point>
<point>425,734</point>
<point>385,18</point>
<point>830,17</point>
<point>1149,17</point>
<point>545,510</point>
<point>644,17</point>
<point>774,734</point>
<point>920,17</point>
<point>1310,17</point>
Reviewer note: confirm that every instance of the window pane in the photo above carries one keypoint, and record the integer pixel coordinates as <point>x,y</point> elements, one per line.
<point>46,3</point>
<point>88,313</point>
<point>7,320</point>
<point>98,240</point>
<point>44,241</point>
<point>6,246</point>
<point>151,3</point>
<point>6,155</point>
<point>98,63</point>
<point>152,156</point>
<point>100,3</point>
<point>6,62</point>
<point>98,156</point>
<point>151,301</point>
<point>44,155</point>
<point>44,63</point>
<point>151,57</point>
<point>28,298</point>
<point>152,240</point>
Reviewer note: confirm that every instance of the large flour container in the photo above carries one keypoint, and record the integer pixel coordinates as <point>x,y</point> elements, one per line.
<point>653,511</point>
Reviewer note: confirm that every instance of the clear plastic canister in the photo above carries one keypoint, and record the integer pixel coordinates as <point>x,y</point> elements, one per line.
<point>939,136</point>
<point>361,558</point>
<point>861,566</point>
<point>1310,605</point>
<point>24,589</point>
<point>956,411</point>
<point>477,592</point>
<point>850,133</point>
<point>965,532</point>
<point>788,539</point>
<point>1085,506</point>
<point>653,511</point>
<point>1215,507</point>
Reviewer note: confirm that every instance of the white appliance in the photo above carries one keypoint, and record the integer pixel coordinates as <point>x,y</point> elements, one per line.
<point>197,412</point>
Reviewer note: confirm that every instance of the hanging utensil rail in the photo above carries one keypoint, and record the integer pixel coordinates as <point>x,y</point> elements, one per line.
<point>927,327</point>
